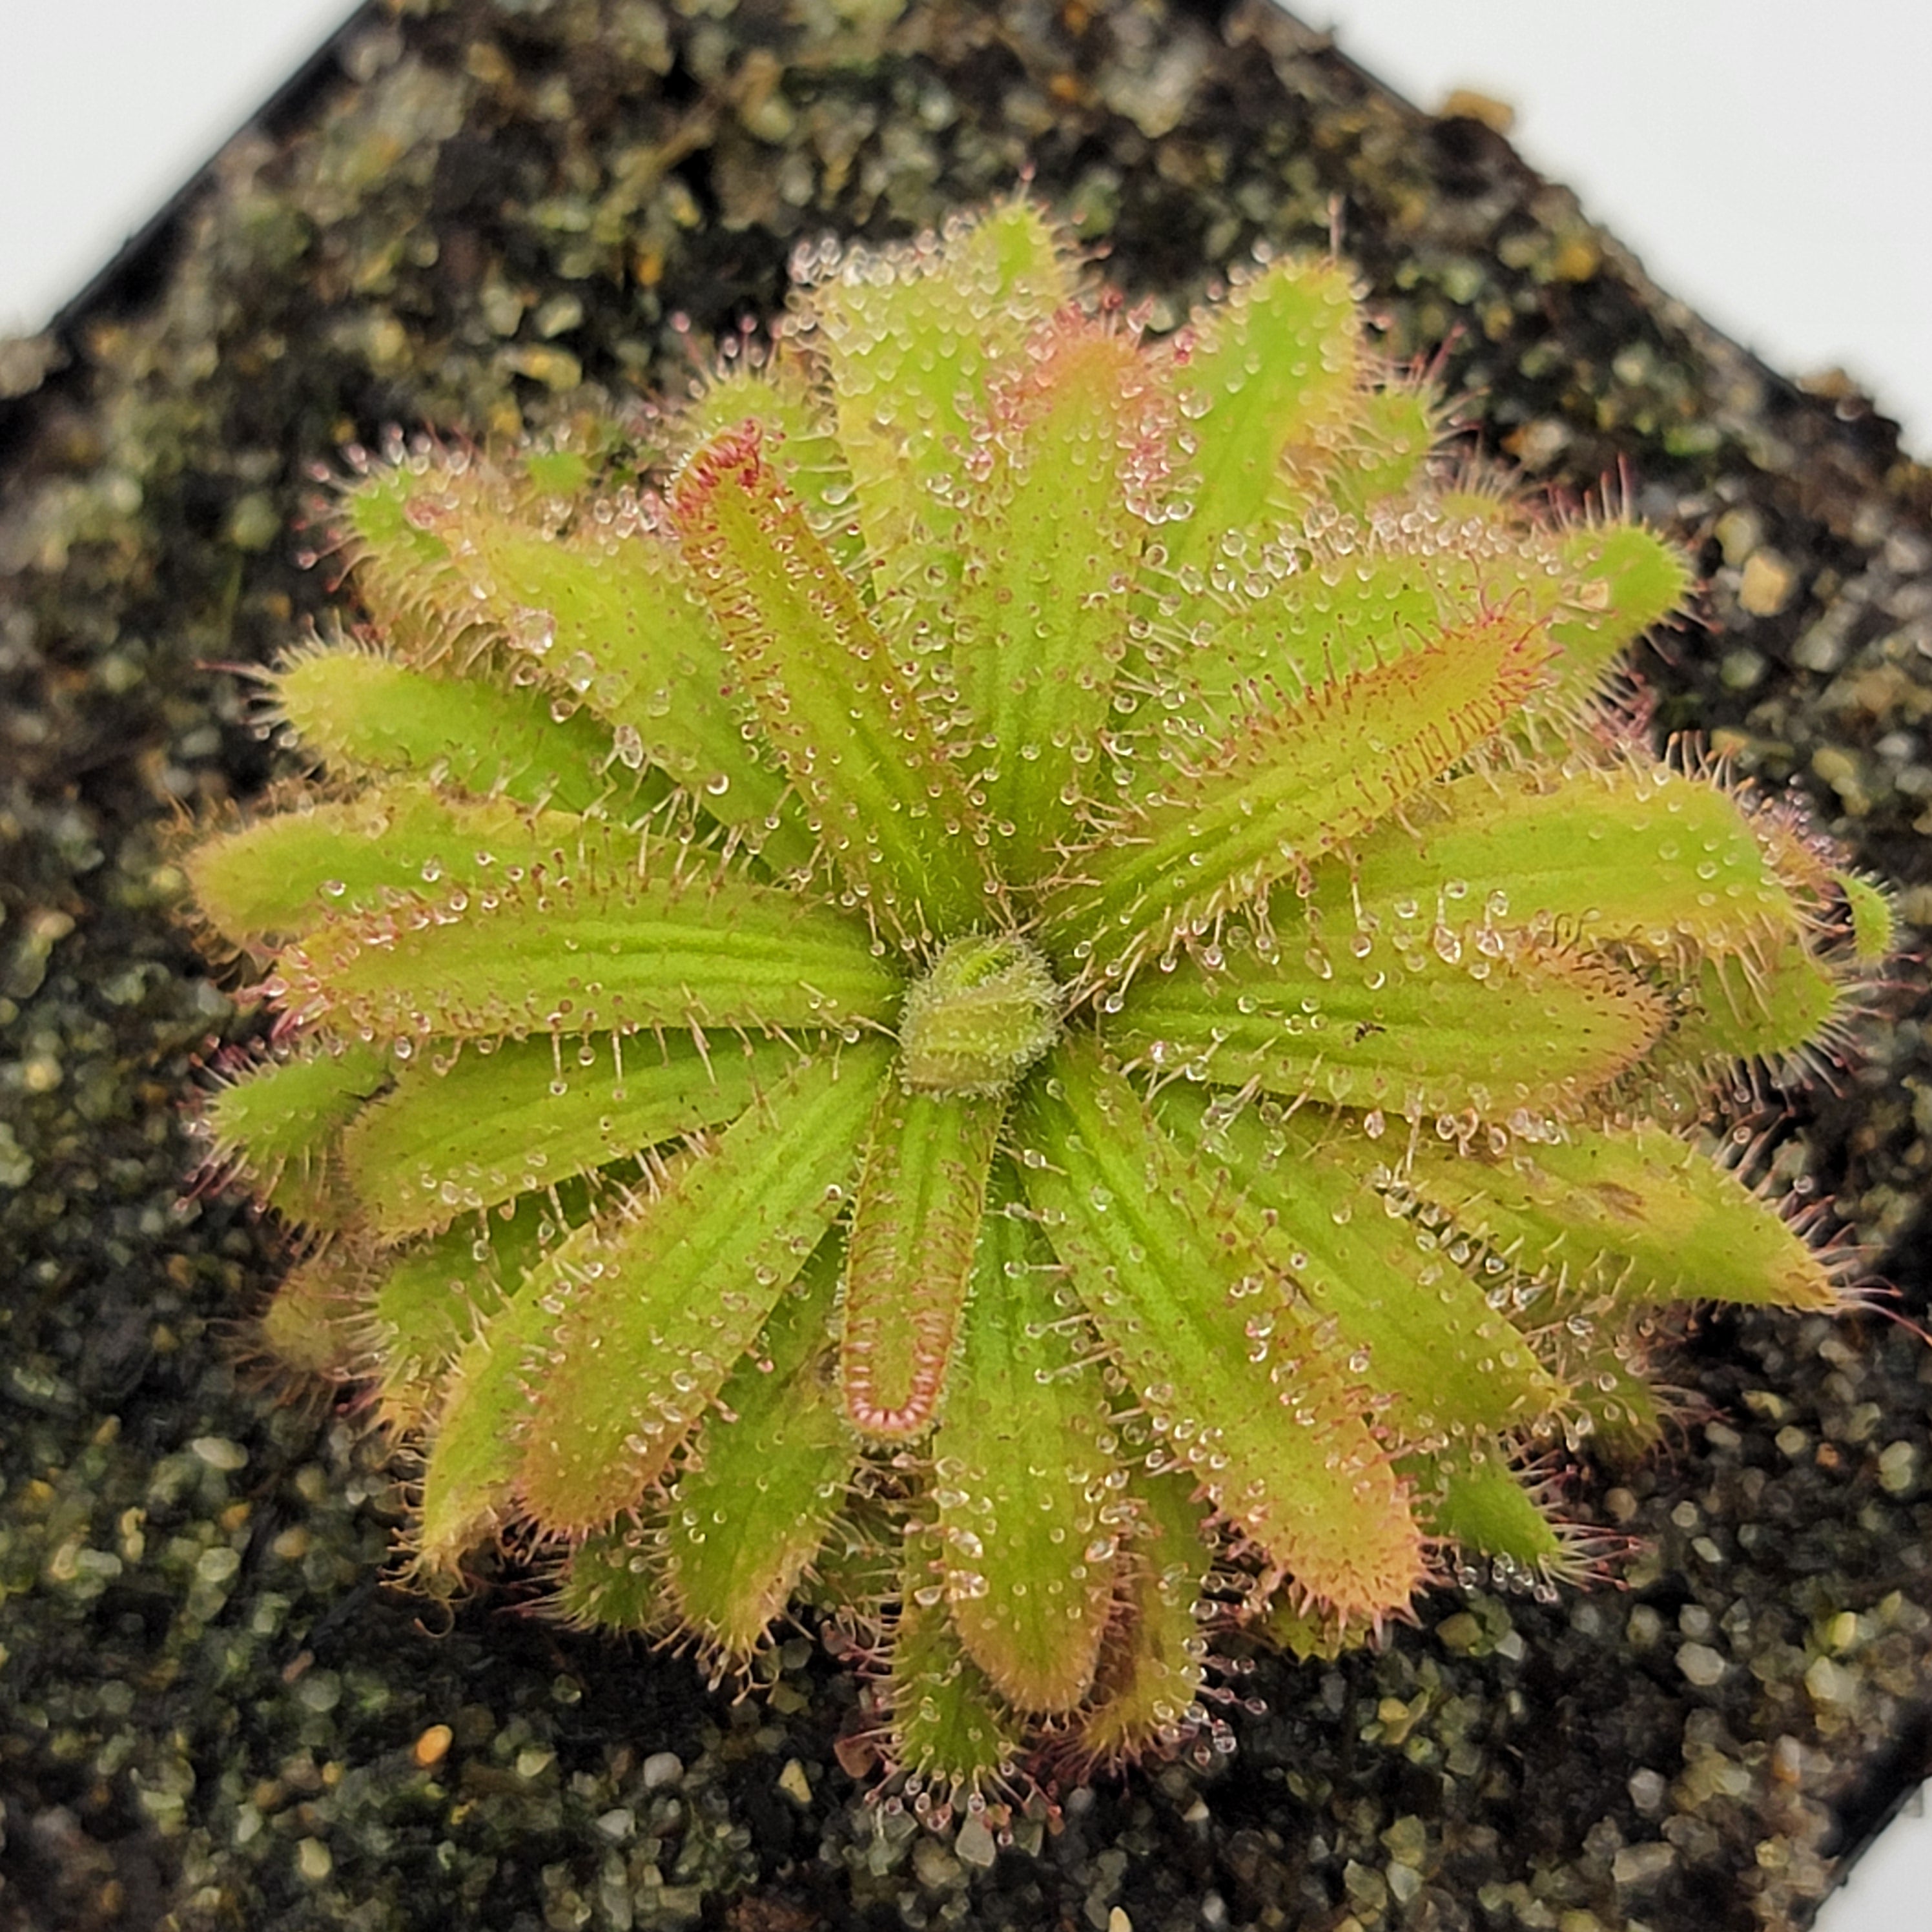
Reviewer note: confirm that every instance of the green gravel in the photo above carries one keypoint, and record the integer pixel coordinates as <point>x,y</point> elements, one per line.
<point>214,1711</point>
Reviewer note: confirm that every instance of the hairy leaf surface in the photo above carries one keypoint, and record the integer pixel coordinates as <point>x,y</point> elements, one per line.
<point>587,950</point>
<point>915,1224</point>
<point>1233,1375</point>
<point>535,1112</point>
<point>1024,1479</point>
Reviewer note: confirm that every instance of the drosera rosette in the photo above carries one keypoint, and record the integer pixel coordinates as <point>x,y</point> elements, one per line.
<point>1039,1006</point>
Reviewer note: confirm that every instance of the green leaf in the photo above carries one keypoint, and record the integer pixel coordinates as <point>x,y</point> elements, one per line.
<point>1520,1025</point>
<point>402,569</point>
<point>678,940</point>
<point>1625,580</point>
<point>766,1476</point>
<point>469,1490</point>
<point>1765,1002</point>
<point>889,803</point>
<point>1632,852</point>
<point>357,710</point>
<point>950,1728</point>
<point>1024,1479</point>
<point>1235,1378</point>
<point>916,1218</point>
<point>639,1323</point>
<point>279,1123</point>
<point>1274,366</point>
<point>449,1138</point>
<point>1291,784</point>
<point>601,614</point>
<point>1632,1214</point>
<point>426,1300</point>
<point>1396,429</point>
<point>1155,1657</point>
<point>794,415</point>
<point>1615,1401</point>
<point>1309,1633</point>
<point>1274,618</point>
<point>316,1324</point>
<point>1417,1330</point>
<point>623,627</point>
<point>1274,623</point>
<point>1076,445</point>
<point>570,1403</point>
<point>1873,918</point>
<point>285,875</point>
<point>1475,1498</point>
<point>613,1579</point>
<point>911,336</point>
<point>856,1573</point>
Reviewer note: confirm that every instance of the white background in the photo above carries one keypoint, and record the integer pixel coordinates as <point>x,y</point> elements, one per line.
<point>1770,160</point>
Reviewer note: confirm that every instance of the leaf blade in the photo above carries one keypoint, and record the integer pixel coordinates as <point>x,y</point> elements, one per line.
<point>912,336</point>
<point>602,612</point>
<point>894,815</point>
<point>949,1726</point>
<point>1293,784</point>
<point>286,874</point>
<point>1154,1660</point>
<point>570,1402</point>
<point>359,710</point>
<point>1274,367</point>
<point>767,1472</point>
<point>1300,1472</point>
<point>1634,1213</point>
<point>1022,1460</point>
<point>581,948</point>
<point>909,1266</point>
<point>1418,1035</point>
<point>440,1143</point>
<point>637,1354</point>
<point>281,1122</point>
<point>1076,444</point>
<point>1630,851</point>
<point>1460,1372</point>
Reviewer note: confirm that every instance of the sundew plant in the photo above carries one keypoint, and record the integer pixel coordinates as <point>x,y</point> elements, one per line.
<point>1040,1002</point>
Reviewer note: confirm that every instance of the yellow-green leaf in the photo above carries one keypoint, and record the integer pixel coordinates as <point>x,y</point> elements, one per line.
<point>1631,851</point>
<point>1274,367</point>
<point>359,710</point>
<point>1025,1482</point>
<point>579,947</point>
<point>1075,444</point>
<point>1417,1330</point>
<point>887,799</point>
<point>284,875</point>
<point>450,1138</point>
<point>1291,784</point>
<point>949,1727</point>
<point>570,1402</point>
<point>912,335</point>
<point>1444,1028</point>
<point>1155,1657</point>
<point>766,1475</point>
<point>280,1121</point>
<point>1234,1375</point>
<point>920,1196</point>
<point>601,615</point>
<point>1633,1211</point>
<point>1473,1498</point>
